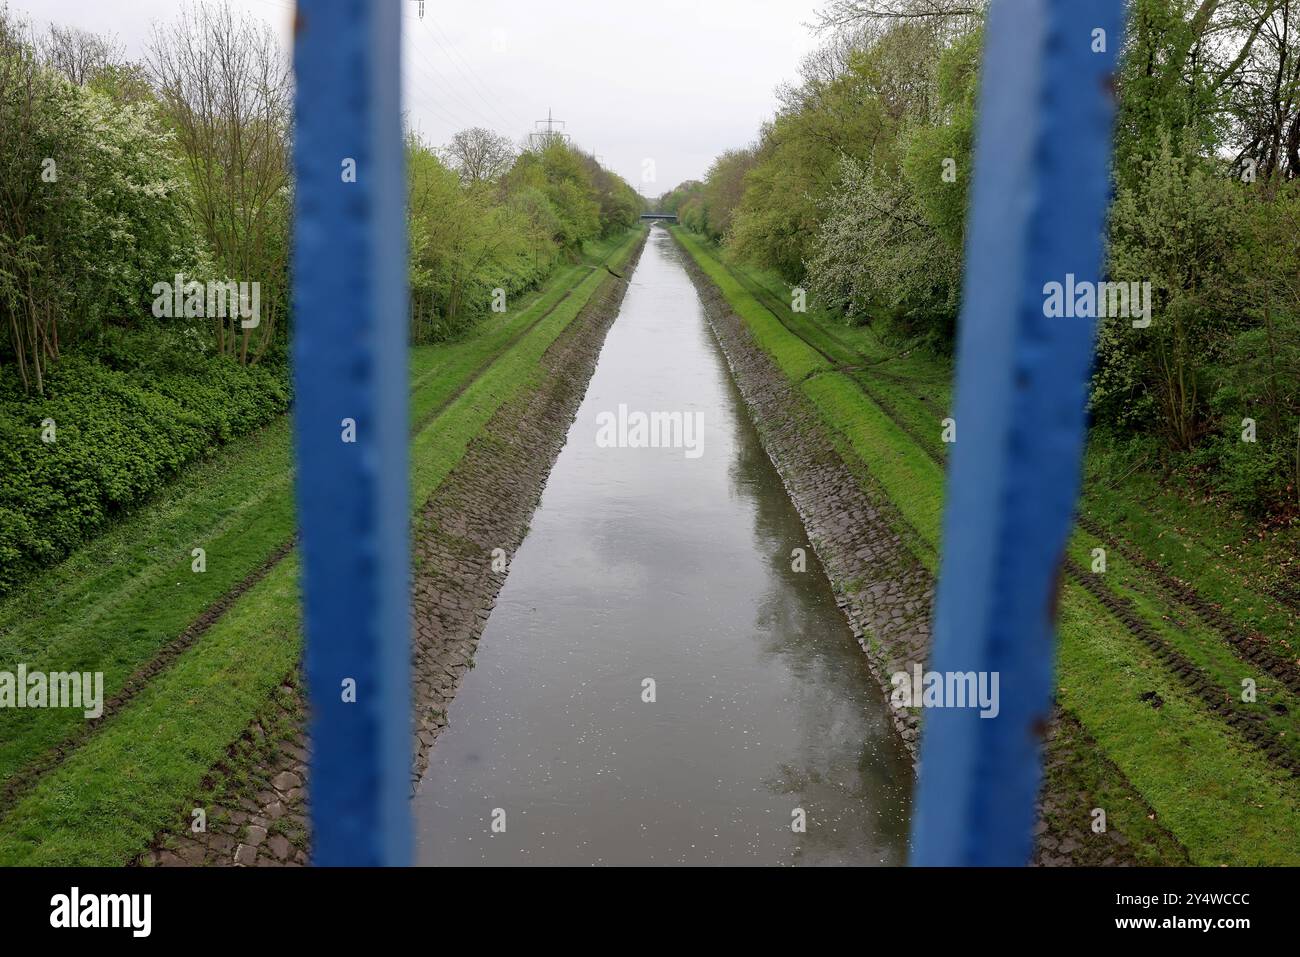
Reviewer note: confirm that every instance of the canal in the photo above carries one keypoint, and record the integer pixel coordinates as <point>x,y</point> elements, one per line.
<point>657,684</point>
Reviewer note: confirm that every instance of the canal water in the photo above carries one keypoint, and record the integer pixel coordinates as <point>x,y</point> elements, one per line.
<point>669,565</point>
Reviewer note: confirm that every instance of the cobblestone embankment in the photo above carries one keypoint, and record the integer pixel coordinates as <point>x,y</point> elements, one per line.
<point>884,591</point>
<point>257,810</point>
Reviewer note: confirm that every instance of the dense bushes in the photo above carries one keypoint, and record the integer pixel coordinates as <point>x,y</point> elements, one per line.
<point>117,434</point>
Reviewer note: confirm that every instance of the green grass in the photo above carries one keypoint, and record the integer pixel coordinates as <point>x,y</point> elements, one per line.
<point>913,482</point>
<point>107,800</point>
<point>1219,798</point>
<point>117,601</point>
<point>435,452</point>
<point>1217,795</point>
<point>450,362</point>
<point>1228,557</point>
<point>1199,643</point>
<point>1184,536</point>
<point>1225,556</point>
<point>1176,531</point>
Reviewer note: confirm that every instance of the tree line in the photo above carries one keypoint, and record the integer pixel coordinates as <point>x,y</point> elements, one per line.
<point>135,193</point>
<point>118,174</point>
<point>857,191</point>
<point>487,220</point>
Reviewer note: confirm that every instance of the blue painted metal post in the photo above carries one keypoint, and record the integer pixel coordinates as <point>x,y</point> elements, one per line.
<point>1040,190</point>
<point>350,426</point>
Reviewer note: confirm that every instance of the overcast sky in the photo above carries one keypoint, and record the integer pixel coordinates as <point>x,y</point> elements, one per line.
<point>673,81</point>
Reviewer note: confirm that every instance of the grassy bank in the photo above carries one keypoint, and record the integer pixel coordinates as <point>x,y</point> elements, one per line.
<point>119,604</point>
<point>1214,788</point>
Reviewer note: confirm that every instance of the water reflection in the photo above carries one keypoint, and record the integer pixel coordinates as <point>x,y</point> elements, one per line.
<point>643,563</point>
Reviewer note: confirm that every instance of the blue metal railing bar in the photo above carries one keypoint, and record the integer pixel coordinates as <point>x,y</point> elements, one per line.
<point>350,426</point>
<point>1040,192</point>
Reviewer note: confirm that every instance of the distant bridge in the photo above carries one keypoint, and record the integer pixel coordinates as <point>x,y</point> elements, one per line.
<point>655,217</point>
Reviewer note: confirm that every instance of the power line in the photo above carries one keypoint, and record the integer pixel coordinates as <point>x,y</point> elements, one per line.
<point>452,59</point>
<point>449,103</point>
<point>472,77</point>
<point>442,106</point>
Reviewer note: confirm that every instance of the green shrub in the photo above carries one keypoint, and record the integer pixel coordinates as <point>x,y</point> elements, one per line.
<point>1252,476</point>
<point>119,435</point>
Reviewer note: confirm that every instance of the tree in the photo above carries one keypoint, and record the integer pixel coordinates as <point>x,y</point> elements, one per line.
<point>953,17</point>
<point>1265,99</point>
<point>888,86</point>
<point>725,188</point>
<point>480,156</point>
<point>1180,59</point>
<point>1178,227</point>
<point>559,173</point>
<point>78,55</point>
<point>93,210</point>
<point>876,253</point>
<point>224,84</point>
<point>620,204</point>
